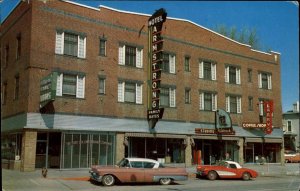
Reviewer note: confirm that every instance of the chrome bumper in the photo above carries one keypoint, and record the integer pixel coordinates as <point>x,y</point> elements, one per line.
<point>94,176</point>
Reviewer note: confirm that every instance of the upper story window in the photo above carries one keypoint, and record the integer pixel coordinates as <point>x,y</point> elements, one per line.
<point>102,80</point>
<point>207,70</point>
<point>4,93</point>
<point>71,85</point>
<point>167,97</point>
<point>208,101</point>
<point>71,44</point>
<point>102,47</point>
<point>233,104</point>
<point>232,75</point>
<point>130,56</point>
<point>18,53</point>
<point>187,96</point>
<point>129,91</point>
<point>249,75</point>
<point>250,103</point>
<point>187,66</point>
<point>169,63</point>
<point>17,87</point>
<point>289,126</point>
<point>265,80</point>
<point>6,55</point>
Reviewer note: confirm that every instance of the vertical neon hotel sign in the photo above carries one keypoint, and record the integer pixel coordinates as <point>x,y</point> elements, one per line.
<point>155,42</point>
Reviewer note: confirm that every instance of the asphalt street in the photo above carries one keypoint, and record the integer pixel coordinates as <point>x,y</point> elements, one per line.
<point>272,178</point>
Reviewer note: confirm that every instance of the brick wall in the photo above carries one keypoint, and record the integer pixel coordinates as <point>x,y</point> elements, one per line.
<point>181,37</point>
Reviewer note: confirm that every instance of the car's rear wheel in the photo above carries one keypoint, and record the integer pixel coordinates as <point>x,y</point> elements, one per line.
<point>165,181</point>
<point>212,175</point>
<point>108,180</point>
<point>246,176</point>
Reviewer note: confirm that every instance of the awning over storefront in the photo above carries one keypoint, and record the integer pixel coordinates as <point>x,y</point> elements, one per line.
<point>151,135</point>
<point>262,140</point>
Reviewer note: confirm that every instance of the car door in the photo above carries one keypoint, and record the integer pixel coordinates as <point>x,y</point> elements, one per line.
<point>137,172</point>
<point>232,171</point>
<point>227,171</point>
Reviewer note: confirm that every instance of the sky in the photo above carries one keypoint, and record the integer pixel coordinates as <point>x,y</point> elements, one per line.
<point>276,24</point>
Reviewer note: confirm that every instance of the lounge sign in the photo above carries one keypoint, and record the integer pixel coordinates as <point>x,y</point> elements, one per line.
<point>48,89</point>
<point>268,106</point>
<point>155,24</point>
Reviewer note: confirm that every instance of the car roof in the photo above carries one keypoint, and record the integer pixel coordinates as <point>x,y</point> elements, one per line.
<point>142,159</point>
<point>232,162</point>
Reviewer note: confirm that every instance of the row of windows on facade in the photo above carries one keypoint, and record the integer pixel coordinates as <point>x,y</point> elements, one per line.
<point>129,55</point>
<point>7,50</point>
<point>132,92</point>
<point>70,85</point>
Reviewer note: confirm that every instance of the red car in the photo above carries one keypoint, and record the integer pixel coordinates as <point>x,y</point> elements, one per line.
<point>226,169</point>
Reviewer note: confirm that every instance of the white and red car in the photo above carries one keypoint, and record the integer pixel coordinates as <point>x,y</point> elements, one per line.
<point>226,169</point>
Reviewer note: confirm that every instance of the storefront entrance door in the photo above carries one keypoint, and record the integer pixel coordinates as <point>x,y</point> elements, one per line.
<point>207,154</point>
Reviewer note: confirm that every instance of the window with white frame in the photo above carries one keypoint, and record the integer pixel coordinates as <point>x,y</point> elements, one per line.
<point>265,80</point>
<point>130,56</point>
<point>208,101</point>
<point>70,85</point>
<point>207,70</point>
<point>131,92</point>
<point>167,97</point>
<point>232,75</point>
<point>101,85</point>
<point>169,63</point>
<point>68,43</point>
<point>233,104</point>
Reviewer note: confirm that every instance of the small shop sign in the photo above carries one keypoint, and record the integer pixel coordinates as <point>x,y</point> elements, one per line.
<point>48,89</point>
<point>219,131</point>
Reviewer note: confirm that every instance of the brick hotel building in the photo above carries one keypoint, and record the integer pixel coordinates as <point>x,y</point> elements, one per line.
<point>99,60</point>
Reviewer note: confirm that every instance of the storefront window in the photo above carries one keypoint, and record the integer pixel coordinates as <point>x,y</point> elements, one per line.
<point>84,150</point>
<point>162,149</point>
<point>262,153</point>
<point>11,146</point>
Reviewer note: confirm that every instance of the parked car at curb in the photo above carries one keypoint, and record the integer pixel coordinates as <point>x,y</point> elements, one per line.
<point>137,170</point>
<point>225,169</point>
<point>291,156</point>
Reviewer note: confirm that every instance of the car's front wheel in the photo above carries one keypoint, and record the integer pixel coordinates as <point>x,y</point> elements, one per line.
<point>165,181</point>
<point>108,180</point>
<point>246,176</point>
<point>212,175</point>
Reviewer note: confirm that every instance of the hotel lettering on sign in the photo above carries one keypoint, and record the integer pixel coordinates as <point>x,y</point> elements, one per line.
<point>155,24</point>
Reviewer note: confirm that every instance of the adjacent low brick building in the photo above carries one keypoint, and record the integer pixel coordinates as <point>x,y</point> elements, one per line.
<point>97,61</point>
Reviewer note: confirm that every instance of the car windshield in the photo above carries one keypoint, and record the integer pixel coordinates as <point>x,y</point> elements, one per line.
<point>124,163</point>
